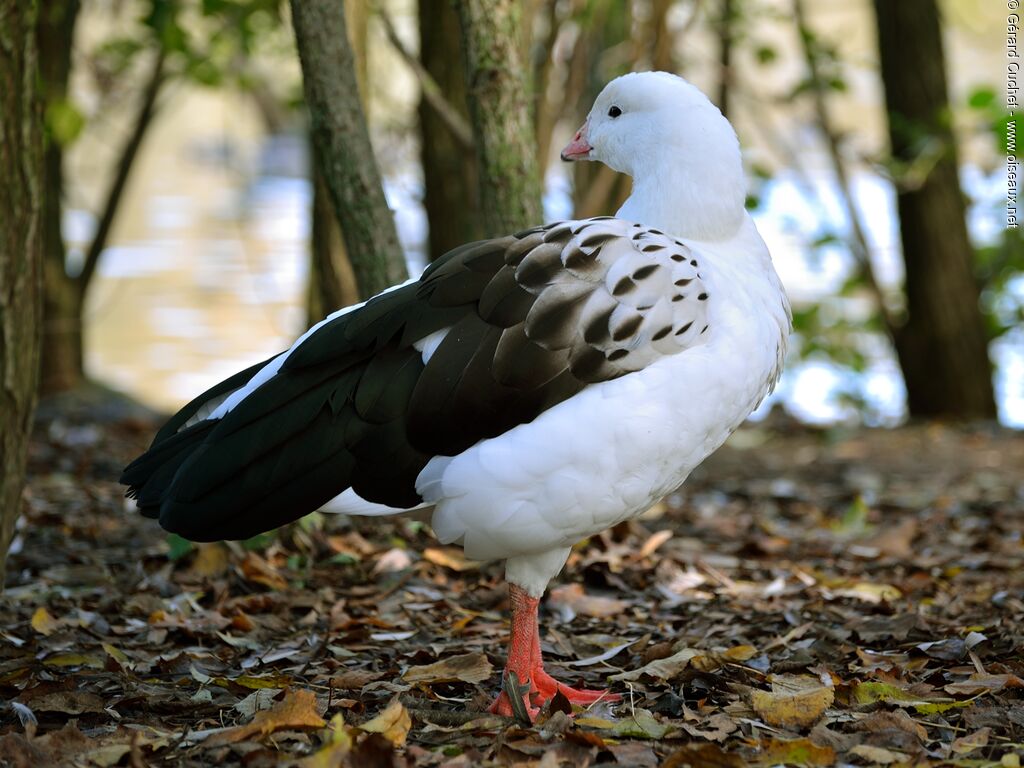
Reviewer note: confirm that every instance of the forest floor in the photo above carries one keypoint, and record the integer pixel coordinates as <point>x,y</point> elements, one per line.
<point>809,598</point>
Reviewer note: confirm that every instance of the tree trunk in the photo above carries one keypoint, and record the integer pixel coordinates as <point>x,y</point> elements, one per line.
<point>21,168</point>
<point>343,143</point>
<point>450,178</point>
<point>597,189</point>
<point>61,364</point>
<point>332,284</point>
<point>499,107</point>
<point>942,347</point>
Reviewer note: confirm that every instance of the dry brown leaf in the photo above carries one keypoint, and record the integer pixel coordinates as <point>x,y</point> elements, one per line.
<point>354,679</point>
<point>467,667</point>
<point>897,720</point>
<point>43,622</point>
<point>702,756</point>
<point>393,723</point>
<point>298,709</point>
<point>449,557</point>
<point>972,741</point>
<point>662,669</point>
<point>795,701</point>
<point>66,702</point>
<point>976,684</point>
<point>254,568</point>
<point>573,597</point>
<point>896,540</point>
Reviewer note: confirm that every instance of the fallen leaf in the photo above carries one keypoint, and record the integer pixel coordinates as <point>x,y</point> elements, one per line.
<point>395,559</point>
<point>211,560</point>
<point>67,702</point>
<point>653,542</point>
<point>796,752</point>
<point>43,622</point>
<point>570,600</point>
<point>337,744</point>
<point>641,724</point>
<point>255,569</point>
<point>467,667</point>
<point>795,701</point>
<point>74,660</point>
<point>449,557</point>
<point>878,755</point>
<point>118,655</point>
<point>869,593</point>
<point>298,709</point>
<point>590,660</point>
<point>393,723</point>
<point>972,741</point>
<point>716,728</point>
<point>662,669</point>
<point>702,756</point>
<point>976,684</point>
<point>354,679</point>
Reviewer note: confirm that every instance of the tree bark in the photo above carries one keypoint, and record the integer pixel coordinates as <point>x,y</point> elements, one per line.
<point>500,110</point>
<point>21,241</point>
<point>332,283</point>
<point>451,193</point>
<point>942,347</point>
<point>61,364</point>
<point>343,144</point>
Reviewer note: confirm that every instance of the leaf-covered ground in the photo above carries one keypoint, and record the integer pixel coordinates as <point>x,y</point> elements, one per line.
<point>809,598</point>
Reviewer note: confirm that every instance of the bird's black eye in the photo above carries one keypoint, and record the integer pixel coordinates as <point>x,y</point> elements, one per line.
<point>614,111</point>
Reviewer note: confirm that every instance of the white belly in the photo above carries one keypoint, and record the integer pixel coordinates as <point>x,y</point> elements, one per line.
<point>607,453</point>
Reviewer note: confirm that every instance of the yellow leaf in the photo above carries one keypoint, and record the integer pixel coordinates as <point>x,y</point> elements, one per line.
<point>337,744</point>
<point>971,741</point>
<point>795,701</point>
<point>796,752</point>
<point>73,660</point>
<point>467,667</point>
<point>117,655</point>
<point>211,560</point>
<point>393,723</point>
<point>43,622</point>
<point>449,557</point>
<point>870,593</point>
<point>296,710</point>
<point>878,755</point>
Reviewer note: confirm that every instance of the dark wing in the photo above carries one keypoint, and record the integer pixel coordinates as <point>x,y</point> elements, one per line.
<point>527,321</point>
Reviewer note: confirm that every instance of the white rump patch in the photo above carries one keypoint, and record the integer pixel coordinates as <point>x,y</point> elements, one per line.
<point>348,502</point>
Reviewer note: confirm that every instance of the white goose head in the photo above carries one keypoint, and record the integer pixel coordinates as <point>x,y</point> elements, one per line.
<point>682,153</point>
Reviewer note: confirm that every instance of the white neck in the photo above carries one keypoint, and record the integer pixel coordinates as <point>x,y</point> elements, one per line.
<point>692,201</point>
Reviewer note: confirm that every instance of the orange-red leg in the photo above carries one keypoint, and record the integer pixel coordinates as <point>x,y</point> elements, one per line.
<point>524,658</point>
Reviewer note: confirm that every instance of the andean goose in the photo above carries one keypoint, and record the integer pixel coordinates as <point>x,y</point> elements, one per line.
<point>534,389</point>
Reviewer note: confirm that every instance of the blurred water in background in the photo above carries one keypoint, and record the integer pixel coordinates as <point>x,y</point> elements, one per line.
<point>216,282</point>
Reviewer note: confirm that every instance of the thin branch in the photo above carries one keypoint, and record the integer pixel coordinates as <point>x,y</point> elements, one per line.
<point>456,123</point>
<point>857,241</point>
<point>123,169</point>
